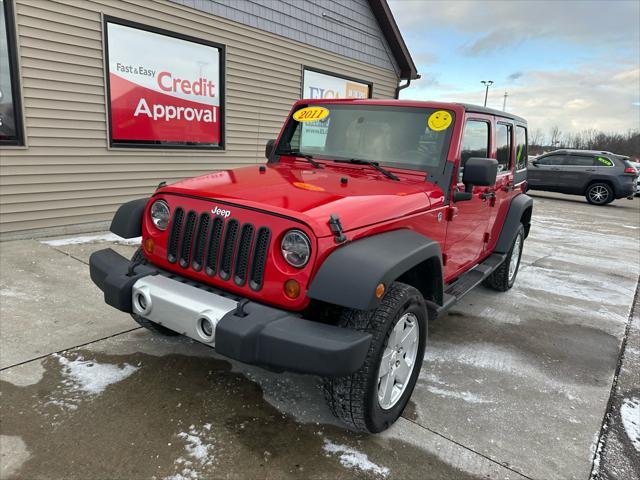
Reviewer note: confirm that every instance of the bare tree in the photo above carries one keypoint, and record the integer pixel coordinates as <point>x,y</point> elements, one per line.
<point>556,136</point>
<point>622,143</point>
<point>537,138</point>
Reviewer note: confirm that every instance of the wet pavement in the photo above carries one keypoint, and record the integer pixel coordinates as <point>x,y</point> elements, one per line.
<point>618,453</point>
<point>514,385</point>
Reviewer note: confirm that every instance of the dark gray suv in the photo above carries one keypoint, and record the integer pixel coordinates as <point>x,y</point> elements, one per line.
<point>601,177</point>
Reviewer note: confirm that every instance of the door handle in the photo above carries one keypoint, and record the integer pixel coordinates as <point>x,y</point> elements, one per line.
<point>554,169</point>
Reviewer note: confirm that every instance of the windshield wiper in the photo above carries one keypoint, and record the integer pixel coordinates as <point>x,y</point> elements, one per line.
<point>306,156</point>
<point>376,165</point>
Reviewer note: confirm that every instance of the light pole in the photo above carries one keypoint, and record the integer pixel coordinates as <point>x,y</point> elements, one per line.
<point>504,102</point>
<point>487,84</point>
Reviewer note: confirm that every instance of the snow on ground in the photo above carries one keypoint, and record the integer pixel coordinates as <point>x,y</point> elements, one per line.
<point>580,287</point>
<point>352,458</point>
<point>199,448</point>
<point>492,357</point>
<point>9,292</point>
<point>85,377</point>
<point>482,355</point>
<point>106,237</point>
<point>93,377</point>
<point>630,414</point>
<point>466,396</point>
<point>444,390</point>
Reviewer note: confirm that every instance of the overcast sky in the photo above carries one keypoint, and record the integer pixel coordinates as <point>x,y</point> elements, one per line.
<point>574,64</point>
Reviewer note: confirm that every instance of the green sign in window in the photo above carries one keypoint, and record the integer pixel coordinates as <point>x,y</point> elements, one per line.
<point>605,161</point>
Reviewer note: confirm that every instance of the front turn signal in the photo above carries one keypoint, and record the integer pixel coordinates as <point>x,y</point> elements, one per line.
<point>148,245</point>
<point>292,289</point>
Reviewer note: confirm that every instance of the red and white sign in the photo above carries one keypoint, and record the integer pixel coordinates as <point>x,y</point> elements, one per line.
<point>163,89</point>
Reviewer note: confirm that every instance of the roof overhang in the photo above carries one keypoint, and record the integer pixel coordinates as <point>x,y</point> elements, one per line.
<point>382,12</point>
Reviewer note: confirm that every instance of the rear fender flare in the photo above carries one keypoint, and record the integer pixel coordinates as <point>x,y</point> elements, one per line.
<point>519,212</point>
<point>350,274</point>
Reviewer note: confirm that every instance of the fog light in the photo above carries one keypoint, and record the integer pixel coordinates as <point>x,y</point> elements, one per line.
<point>206,326</point>
<point>143,303</point>
<point>148,245</point>
<point>380,290</point>
<point>292,289</point>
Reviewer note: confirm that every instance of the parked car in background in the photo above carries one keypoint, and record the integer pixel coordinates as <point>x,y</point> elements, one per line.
<point>637,167</point>
<point>601,177</point>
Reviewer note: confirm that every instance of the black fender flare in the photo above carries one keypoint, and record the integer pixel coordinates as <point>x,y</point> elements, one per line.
<point>519,212</point>
<point>350,274</point>
<point>127,222</point>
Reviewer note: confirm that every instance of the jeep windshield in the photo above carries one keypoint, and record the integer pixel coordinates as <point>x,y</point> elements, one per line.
<point>393,136</point>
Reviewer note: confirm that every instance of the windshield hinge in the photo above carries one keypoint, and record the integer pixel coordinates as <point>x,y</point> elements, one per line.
<point>336,228</point>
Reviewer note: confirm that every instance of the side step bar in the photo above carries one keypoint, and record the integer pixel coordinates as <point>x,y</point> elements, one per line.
<point>468,281</point>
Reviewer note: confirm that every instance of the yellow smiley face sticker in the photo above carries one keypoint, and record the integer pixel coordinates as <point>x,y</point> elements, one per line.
<point>439,120</point>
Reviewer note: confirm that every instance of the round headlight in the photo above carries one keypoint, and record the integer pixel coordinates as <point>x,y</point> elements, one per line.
<point>160,214</point>
<point>296,248</point>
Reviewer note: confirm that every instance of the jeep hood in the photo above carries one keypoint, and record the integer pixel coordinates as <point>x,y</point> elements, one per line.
<point>358,194</point>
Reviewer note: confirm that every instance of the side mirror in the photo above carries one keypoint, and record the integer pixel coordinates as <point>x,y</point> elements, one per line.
<point>478,172</point>
<point>534,163</point>
<point>269,148</point>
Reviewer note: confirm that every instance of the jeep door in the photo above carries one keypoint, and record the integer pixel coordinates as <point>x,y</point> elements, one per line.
<point>545,173</point>
<point>522,156</point>
<point>504,187</point>
<point>575,172</point>
<point>470,218</point>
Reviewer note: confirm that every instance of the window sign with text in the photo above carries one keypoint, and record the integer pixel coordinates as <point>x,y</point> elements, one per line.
<point>164,90</point>
<point>322,85</point>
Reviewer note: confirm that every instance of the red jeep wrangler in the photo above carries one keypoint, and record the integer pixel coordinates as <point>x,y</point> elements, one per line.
<point>369,218</point>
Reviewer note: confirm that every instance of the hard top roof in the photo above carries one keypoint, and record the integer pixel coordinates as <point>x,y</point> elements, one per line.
<point>418,103</point>
<point>491,111</point>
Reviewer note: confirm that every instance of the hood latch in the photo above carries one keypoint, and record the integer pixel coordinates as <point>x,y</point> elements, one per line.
<point>336,229</point>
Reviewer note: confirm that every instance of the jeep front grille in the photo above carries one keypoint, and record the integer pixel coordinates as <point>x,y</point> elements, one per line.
<point>224,249</point>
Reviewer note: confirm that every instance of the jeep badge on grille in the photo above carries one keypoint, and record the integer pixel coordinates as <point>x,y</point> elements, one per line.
<point>219,211</point>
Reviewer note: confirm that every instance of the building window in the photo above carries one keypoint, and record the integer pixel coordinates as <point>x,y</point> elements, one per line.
<point>323,85</point>
<point>11,132</point>
<point>503,146</point>
<point>163,89</point>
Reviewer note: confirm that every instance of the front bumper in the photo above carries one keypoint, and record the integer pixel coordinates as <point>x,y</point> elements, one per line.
<point>243,330</point>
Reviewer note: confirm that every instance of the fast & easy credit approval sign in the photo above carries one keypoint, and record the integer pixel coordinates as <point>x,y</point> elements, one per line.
<point>164,89</point>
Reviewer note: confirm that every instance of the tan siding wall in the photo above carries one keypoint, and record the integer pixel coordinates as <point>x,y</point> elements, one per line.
<point>68,176</point>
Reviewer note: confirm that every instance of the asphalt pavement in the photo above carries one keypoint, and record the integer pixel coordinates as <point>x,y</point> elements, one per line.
<point>541,382</point>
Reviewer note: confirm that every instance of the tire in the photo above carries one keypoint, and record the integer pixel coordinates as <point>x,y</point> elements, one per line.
<point>599,194</point>
<point>354,398</point>
<point>143,322</point>
<point>503,277</point>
